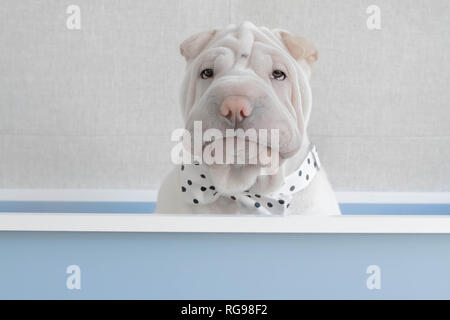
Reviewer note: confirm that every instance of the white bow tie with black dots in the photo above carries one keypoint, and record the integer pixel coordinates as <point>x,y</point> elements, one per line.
<point>197,188</point>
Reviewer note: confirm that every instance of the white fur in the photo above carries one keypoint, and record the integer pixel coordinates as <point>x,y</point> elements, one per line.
<point>283,105</point>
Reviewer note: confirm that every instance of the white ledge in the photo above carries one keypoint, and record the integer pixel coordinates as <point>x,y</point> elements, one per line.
<point>221,223</point>
<point>118,195</point>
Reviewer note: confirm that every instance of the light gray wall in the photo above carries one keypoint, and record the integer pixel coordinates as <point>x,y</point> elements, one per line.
<point>94,108</point>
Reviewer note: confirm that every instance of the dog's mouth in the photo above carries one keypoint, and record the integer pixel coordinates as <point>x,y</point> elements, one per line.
<point>246,145</point>
<point>242,163</point>
<point>238,151</point>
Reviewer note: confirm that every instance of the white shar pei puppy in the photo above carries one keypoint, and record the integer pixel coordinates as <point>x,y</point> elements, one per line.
<point>240,78</point>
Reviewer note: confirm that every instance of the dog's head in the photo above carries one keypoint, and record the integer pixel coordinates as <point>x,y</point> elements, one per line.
<point>248,77</point>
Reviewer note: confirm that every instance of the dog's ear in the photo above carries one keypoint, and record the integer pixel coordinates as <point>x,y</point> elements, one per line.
<point>192,46</point>
<point>299,47</point>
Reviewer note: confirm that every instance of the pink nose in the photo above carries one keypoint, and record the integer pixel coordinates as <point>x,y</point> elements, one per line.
<point>236,107</point>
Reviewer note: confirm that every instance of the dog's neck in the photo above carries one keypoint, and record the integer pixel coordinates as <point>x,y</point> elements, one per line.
<point>270,183</point>
<point>292,164</point>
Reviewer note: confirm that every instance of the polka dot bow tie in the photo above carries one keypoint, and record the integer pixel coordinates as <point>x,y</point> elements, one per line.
<point>197,188</point>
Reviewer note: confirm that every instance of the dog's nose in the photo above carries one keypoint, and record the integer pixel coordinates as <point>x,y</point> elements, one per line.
<point>236,107</point>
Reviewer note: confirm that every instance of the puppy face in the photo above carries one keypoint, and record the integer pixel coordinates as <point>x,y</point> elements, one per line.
<point>247,77</point>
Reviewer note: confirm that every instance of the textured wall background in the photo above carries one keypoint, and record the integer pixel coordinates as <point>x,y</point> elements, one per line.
<point>94,108</point>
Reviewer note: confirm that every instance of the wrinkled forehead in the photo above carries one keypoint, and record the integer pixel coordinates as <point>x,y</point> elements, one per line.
<point>244,42</point>
<point>239,39</point>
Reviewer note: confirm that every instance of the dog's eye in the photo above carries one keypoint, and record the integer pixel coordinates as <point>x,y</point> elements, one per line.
<point>278,75</point>
<point>207,73</point>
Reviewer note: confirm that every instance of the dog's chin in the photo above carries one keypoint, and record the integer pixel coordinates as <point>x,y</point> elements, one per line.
<point>247,167</point>
<point>241,171</point>
<point>234,178</point>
